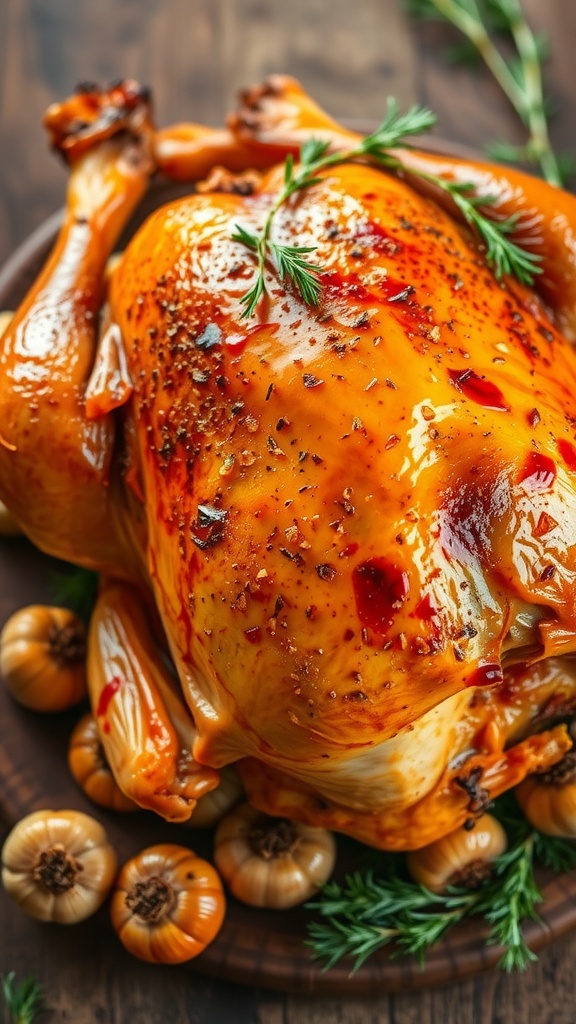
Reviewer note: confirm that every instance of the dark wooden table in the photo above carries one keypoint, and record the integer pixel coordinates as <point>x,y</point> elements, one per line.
<point>195,54</point>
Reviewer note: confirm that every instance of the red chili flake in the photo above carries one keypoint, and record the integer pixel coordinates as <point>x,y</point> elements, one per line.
<point>326,572</point>
<point>310,381</point>
<point>544,525</point>
<point>392,440</point>
<point>349,634</point>
<point>539,472</point>
<point>478,389</point>
<point>253,635</point>
<point>380,588</point>
<point>107,694</point>
<point>534,418</point>
<point>568,453</point>
<point>425,609</point>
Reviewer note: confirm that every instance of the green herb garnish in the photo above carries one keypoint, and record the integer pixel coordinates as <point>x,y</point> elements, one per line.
<point>520,77</point>
<point>381,148</point>
<point>24,1001</point>
<point>368,911</point>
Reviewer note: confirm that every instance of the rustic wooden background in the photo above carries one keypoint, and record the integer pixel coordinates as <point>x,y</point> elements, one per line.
<point>195,54</point>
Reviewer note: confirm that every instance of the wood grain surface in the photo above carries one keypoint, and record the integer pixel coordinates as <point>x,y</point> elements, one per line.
<point>195,54</point>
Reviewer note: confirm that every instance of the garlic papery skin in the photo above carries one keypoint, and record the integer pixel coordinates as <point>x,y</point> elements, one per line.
<point>462,857</point>
<point>58,865</point>
<point>548,799</point>
<point>272,862</point>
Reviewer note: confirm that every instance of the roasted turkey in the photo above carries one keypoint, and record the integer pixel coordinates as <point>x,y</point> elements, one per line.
<point>337,542</point>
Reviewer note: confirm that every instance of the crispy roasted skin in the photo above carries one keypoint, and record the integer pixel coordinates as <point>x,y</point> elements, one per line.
<point>346,515</point>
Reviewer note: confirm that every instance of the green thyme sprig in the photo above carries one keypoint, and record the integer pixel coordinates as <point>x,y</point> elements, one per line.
<point>521,78</point>
<point>24,1001</point>
<point>368,912</point>
<point>380,147</point>
<point>314,156</point>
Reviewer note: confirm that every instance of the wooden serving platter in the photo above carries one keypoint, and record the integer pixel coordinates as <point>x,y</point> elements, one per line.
<point>261,948</point>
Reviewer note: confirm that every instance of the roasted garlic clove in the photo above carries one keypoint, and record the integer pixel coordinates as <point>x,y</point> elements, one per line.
<point>272,862</point>
<point>462,857</point>
<point>58,865</point>
<point>88,764</point>
<point>42,657</point>
<point>212,807</point>
<point>548,799</point>
<point>168,904</point>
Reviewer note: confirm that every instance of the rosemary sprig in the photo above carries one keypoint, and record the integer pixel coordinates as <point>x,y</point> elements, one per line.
<point>381,147</point>
<point>24,1001</point>
<point>521,78</point>
<point>367,912</point>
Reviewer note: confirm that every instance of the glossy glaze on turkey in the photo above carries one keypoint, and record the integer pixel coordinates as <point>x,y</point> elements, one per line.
<point>337,542</point>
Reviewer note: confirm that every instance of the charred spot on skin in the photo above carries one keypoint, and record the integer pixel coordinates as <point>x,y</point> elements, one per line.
<point>479,798</point>
<point>208,527</point>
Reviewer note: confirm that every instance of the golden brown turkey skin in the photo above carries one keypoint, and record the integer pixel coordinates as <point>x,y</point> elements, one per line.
<point>348,506</point>
<point>355,520</point>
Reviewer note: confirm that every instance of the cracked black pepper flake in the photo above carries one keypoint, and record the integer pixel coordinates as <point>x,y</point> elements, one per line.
<point>208,527</point>
<point>269,391</point>
<point>292,556</point>
<point>325,571</point>
<point>310,381</point>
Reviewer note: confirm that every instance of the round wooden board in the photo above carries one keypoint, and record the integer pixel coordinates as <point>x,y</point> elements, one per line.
<point>260,948</point>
